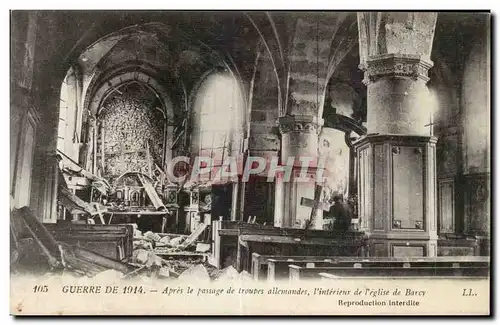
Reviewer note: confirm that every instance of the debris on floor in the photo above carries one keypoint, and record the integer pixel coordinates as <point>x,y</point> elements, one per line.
<point>152,236</point>
<point>196,273</point>
<point>229,273</point>
<point>165,240</point>
<point>202,247</point>
<point>108,274</point>
<point>151,255</point>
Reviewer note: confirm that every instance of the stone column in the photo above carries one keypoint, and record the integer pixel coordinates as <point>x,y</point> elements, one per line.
<point>169,141</point>
<point>397,159</point>
<point>71,116</point>
<point>234,201</point>
<point>279,202</point>
<point>299,139</point>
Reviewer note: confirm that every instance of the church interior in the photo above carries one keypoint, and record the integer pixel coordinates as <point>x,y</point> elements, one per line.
<point>396,103</point>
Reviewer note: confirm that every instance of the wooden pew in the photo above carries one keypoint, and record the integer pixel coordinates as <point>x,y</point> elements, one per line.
<point>277,267</point>
<point>112,241</point>
<point>300,273</point>
<point>225,235</point>
<point>236,241</point>
<point>439,261</point>
<point>330,277</point>
<point>260,263</point>
<point>294,242</point>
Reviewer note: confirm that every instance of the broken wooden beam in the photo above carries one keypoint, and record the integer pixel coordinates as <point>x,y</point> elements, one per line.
<point>76,257</point>
<point>61,254</point>
<point>194,235</point>
<point>72,202</point>
<point>99,183</point>
<point>41,235</point>
<point>179,254</point>
<point>153,196</point>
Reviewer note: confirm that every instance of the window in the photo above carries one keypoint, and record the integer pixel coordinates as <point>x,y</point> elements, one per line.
<point>217,117</point>
<point>69,117</point>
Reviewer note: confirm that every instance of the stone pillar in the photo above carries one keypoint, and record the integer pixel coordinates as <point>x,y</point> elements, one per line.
<point>234,201</point>
<point>299,139</point>
<point>279,202</point>
<point>49,212</point>
<point>71,115</point>
<point>398,98</point>
<point>397,159</point>
<point>169,140</point>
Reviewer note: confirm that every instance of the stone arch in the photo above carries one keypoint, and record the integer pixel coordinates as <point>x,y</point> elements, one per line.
<point>126,77</point>
<point>99,76</point>
<point>207,74</point>
<point>121,27</point>
<point>107,86</point>
<point>269,45</point>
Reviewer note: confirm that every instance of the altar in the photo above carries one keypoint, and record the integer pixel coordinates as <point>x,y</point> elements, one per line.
<point>131,214</point>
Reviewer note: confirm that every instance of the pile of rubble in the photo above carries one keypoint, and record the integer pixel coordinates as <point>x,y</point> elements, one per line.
<point>150,255</point>
<point>179,256</point>
<point>171,254</point>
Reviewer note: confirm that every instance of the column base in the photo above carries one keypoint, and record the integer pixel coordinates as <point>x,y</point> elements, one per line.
<point>402,244</point>
<point>397,194</point>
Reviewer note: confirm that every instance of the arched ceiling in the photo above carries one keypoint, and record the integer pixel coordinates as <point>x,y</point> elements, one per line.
<point>453,40</point>
<point>348,75</point>
<point>181,46</point>
<point>175,48</point>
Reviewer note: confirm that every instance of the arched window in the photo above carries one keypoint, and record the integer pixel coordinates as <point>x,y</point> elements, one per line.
<point>218,117</point>
<point>70,117</point>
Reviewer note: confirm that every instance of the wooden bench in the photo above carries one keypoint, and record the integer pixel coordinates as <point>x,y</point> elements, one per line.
<point>300,272</point>
<point>240,240</point>
<point>293,242</point>
<point>225,240</point>
<point>260,263</point>
<point>440,261</point>
<point>112,241</point>
<point>277,267</point>
<point>330,277</point>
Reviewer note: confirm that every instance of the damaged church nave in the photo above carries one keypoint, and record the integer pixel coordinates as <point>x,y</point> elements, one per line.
<point>253,145</point>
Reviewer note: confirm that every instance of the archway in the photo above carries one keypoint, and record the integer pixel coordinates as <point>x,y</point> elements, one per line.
<point>217,124</point>
<point>217,117</point>
<point>129,132</point>
<point>70,116</point>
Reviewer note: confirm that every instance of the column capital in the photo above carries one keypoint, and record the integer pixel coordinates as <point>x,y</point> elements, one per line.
<point>395,139</point>
<point>395,65</point>
<point>300,123</point>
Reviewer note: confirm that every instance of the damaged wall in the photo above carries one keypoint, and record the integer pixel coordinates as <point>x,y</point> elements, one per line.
<point>476,138</point>
<point>476,110</point>
<point>130,125</point>
<point>264,140</point>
